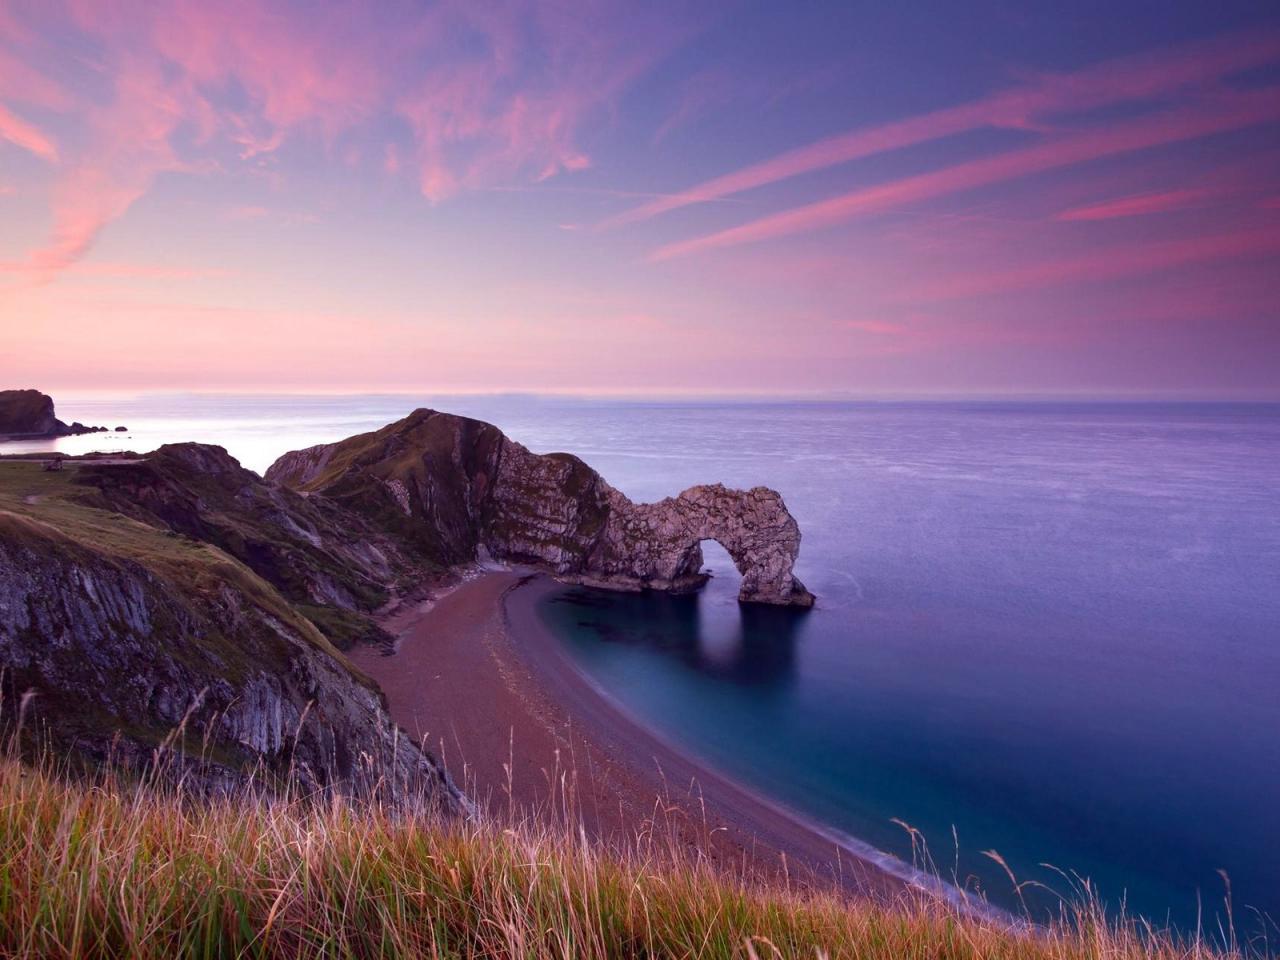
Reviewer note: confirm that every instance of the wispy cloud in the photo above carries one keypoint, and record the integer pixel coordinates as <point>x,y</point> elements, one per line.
<point>26,135</point>
<point>1210,115</point>
<point>1109,264</point>
<point>1135,206</point>
<point>1028,106</point>
<point>881,327</point>
<point>179,82</point>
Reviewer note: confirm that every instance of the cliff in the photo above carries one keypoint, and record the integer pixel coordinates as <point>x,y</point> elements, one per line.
<point>458,490</point>
<point>332,563</point>
<point>29,414</point>
<point>181,591</point>
<point>127,626</point>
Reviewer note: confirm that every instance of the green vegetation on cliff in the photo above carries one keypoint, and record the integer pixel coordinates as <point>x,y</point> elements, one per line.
<point>48,512</point>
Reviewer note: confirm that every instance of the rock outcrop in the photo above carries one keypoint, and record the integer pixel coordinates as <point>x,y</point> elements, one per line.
<point>143,643</point>
<point>29,415</point>
<point>458,490</point>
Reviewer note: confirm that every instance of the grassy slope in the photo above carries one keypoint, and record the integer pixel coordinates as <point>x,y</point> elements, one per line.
<point>371,450</point>
<point>111,872</point>
<point>50,499</point>
<point>247,528</point>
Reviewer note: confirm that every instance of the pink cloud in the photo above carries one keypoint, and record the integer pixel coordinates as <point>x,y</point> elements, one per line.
<point>20,133</point>
<point>1134,206</point>
<point>1107,264</point>
<point>1209,116</point>
<point>875,326</point>
<point>105,269</point>
<point>504,106</point>
<point>20,83</point>
<point>927,333</point>
<point>468,135</point>
<point>1128,79</point>
<point>130,145</point>
<point>148,271</point>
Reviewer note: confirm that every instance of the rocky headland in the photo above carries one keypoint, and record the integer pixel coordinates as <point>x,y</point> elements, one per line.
<point>462,491</point>
<point>29,415</point>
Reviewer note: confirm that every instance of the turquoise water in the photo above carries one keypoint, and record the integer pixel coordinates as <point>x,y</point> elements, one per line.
<point>1049,630</point>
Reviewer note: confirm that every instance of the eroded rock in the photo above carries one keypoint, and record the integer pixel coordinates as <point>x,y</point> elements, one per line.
<point>456,487</point>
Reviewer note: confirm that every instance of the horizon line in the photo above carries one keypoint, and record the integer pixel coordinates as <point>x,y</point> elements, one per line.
<point>1111,395</point>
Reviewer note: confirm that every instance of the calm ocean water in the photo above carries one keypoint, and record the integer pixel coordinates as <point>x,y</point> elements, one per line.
<point>1050,630</point>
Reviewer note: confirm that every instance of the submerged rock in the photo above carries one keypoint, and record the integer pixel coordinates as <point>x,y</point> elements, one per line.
<point>459,489</point>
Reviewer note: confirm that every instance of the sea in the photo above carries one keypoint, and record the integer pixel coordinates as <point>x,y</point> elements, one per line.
<point>1046,644</point>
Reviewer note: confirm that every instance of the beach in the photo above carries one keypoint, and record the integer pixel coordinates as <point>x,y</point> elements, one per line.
<point>479,680</point>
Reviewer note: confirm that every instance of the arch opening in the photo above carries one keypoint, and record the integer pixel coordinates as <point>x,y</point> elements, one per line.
<point>715,561</point>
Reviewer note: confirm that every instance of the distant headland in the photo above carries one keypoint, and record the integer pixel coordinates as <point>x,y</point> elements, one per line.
<point>29,415</point>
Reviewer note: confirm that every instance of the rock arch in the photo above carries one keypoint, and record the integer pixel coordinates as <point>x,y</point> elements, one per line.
<point>456,489</point>
<point>659,544</point>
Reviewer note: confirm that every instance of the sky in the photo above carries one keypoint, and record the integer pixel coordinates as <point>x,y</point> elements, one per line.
<point>592,196</point>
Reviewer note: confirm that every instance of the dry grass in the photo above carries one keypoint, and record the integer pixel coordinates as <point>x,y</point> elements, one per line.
<point>104,870</point>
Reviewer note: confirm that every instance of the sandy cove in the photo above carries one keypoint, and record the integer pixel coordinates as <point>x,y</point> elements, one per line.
<point>482,681</point>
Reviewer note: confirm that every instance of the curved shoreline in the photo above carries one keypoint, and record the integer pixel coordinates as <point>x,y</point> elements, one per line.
<point>486,684</point>
<point>781,829</point>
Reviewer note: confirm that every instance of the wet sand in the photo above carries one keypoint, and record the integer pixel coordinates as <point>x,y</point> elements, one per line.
<point>478,677</point>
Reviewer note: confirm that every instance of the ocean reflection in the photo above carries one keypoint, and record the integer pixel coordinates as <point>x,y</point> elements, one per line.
<point>750,645</point>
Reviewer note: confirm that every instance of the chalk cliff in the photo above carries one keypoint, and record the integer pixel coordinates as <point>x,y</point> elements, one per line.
<point>459,489</point>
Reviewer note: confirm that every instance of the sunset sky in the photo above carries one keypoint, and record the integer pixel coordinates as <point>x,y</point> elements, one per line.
<point>874,199</point>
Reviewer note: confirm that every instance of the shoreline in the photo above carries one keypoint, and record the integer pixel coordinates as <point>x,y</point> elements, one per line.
<point>478,678</point>
<point>777,829</point>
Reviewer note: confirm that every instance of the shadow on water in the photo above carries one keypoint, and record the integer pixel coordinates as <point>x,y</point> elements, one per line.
<point>746,644</point>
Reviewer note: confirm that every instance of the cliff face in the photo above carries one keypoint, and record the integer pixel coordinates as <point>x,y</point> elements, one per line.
<point>459,489</point>
<point>29,413</point>
<point>330,561</point>
<point>127,627</point>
